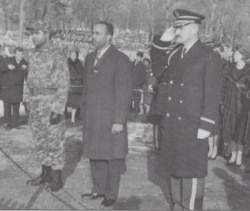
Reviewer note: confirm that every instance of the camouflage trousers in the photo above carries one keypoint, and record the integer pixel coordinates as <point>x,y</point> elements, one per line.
<point>49,139</point>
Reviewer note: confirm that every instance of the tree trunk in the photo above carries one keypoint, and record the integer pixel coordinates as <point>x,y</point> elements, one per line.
<point>90,12</point>
<point>129,14</point>
<point>45,9</point>
<point>6,21</point>
<point>212,18</point>
<point>6,25</point>
<point>21,21</point>
<point>167,17</point>
<point>151,9</point>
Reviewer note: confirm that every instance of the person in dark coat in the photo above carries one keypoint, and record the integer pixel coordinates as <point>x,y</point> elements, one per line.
<point>215,142</point>
<point>2,67</point>
<point>231,103</point>
<point>149,95</point>
<point>138,79</point>
<point>192,111</point>
<point>218,144</point>
<point>236,76</point>
<point>149,85</point>
<point>106,105</point>
<point>12,86</point>
<point>242,131</point>
<point>76,82</point>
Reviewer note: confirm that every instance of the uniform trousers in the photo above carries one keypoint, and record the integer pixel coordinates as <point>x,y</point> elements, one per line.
<point>187,193</point>
<point>49,139</point>
<point>11,113</point>
<point>106,176</point>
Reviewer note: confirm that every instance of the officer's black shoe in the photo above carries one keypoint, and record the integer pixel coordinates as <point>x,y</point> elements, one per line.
<point>107,202</point>
<point>56,181</point>
<point>43,178</point>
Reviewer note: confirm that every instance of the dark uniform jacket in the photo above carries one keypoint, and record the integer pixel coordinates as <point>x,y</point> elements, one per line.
<point>139,75</point>
<point>76,83</point>
<point>2,71</point>
<point>194,88</point>
<point>159,101</point>
<point>106,100</point>
<point>12,81</point>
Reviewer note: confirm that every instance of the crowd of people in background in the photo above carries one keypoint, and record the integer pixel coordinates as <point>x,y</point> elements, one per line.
<point>51,86</point>
<point>231,141</point>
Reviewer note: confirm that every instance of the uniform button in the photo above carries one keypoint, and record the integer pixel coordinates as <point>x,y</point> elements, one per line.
<point>179,118</point>
<point>170,98</point>
<point>168,115</point>
<point>181,101</point>
<point>171,82</point>
<point>182,84</point>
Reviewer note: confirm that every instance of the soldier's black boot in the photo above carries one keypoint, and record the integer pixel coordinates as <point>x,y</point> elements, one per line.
<point>56,180</point>
<point>43,178</point>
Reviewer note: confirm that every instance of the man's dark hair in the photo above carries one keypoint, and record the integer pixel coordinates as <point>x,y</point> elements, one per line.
<point>109,27</point>
<point>19,49</point>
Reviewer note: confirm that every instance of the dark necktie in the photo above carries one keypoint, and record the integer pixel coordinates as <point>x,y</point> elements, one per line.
<point>97,58</point>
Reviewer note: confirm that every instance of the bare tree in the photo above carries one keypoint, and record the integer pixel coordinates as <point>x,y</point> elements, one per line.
<point>21,20</point>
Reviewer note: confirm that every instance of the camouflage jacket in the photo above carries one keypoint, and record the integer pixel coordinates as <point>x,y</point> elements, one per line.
<point>48,70</point>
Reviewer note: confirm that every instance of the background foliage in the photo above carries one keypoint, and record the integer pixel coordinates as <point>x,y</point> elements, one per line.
<point>226,20</point>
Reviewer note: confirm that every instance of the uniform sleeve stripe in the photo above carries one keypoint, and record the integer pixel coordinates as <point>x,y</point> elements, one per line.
<point>208,120</point>
<point>161,48</point>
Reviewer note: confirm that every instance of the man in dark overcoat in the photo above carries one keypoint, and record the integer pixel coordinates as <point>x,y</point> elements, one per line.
<point>106,101</point>
<point>12,86</point>
<point>192,108</point>
<point>138,81</point>
<point>2,67</point>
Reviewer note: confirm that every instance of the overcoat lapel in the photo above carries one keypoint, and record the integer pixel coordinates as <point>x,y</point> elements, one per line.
<point>92,59</point>
<point>192,55</point>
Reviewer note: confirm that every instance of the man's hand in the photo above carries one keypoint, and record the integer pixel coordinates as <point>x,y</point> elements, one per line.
<point>168,35</point>
<point>117,128</point>
<point>11,67</point>
<point>150,88</point>
<point>203,134</point>
<point>24,66</point>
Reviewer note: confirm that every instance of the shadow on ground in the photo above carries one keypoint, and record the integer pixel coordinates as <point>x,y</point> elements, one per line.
<point>132,203</point>
<point>73,153</point>
<point>11,204</point>
<point>155,176</point>
<point>237,192</point>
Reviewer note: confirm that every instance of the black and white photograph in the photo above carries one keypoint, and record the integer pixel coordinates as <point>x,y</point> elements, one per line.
<point>125,105</point>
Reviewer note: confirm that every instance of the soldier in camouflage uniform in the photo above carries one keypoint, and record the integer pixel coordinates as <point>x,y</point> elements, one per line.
<point>46,95</point>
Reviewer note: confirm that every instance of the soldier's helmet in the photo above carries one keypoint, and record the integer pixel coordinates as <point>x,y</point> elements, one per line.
<point>40,25</point>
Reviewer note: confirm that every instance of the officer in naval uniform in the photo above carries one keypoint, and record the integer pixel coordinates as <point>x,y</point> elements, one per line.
<point>194,85</point>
